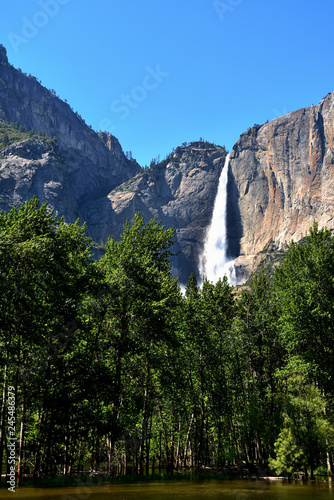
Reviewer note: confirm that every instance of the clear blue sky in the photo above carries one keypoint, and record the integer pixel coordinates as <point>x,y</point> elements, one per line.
<point>157,73</point>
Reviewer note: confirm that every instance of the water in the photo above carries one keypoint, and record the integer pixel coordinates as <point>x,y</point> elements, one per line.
<point>196,490</point>
<point>215,263</point>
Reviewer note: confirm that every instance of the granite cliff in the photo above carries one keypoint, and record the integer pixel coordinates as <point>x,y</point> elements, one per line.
<point>81,173</point>
<point>180,191</point>
<point>281,175</point>
<point>88,166</point>
<point>281,180</point>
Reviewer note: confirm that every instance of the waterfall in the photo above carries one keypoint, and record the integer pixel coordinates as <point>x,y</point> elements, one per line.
<point>214,262</point>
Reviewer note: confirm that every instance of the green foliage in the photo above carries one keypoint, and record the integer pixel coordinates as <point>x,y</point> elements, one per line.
<point>45,270</point>
<point>304,288</point>
<point>110,360</point>
<point>273,257</point>
<point>9,134</point>
<point>305,413</point>
<point>289,457</point>
<point>257,357</point>
<point>322,471</point>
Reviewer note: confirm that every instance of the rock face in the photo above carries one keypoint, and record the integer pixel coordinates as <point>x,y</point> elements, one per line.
<point>81,173</point>
<point>3,55</point>
<point>281,180</point>
<point>179,191</point>
<point>281,176</point>
<point>91,165</point>
<point>35,167</point>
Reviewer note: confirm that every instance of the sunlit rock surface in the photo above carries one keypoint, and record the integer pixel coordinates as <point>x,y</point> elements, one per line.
<point>281,176</point>
<point>282,179</point>
<point>179,191</point>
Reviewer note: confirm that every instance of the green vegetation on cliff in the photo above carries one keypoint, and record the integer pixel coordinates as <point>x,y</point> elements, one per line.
<point>11,133</point>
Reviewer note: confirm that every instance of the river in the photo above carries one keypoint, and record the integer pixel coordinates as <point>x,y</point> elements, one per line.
<point>199,490</point>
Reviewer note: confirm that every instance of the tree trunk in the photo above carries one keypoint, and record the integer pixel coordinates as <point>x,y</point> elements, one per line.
<point>79,456</point>
<point>312,466</point>
<point>187,441</point>
<point>66,448</point>
<point>19,467</point>
<point>171,456</point>
<point>147,451</point>
<point>143,429</point>
<point>165,434</point>
<point>38,454</point>
<point>159,458</point>
<point>135,461</point>
<point>125,459</point>
<point>109,448</point>
<point>329,461</point>
<point>178,448</point>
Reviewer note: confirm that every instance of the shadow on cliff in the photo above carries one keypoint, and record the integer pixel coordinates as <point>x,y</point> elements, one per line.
<point>233,220</point>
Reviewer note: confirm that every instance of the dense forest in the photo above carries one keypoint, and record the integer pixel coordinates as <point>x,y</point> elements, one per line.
<point>107,366</point>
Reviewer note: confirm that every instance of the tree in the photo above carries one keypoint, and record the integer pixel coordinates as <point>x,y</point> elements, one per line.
<point>304,288</point>
<point>5,139</point>
<point>141,299</point>
<point>304,409</point>
<point>218,308</point>
<point>304,294</point>
<point>204,332</point>
<point>45,271</point>
<point>289,456</point>
<point>257,354</point>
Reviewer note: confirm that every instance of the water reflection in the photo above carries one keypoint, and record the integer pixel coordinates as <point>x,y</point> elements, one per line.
<point>233,490</point>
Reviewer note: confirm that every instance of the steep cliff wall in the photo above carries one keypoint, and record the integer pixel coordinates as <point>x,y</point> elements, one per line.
<point>282,179</point>
<point>94,165</point>
<point>281,176</point>
<point>82,174</point>
<point>180,191</point>
<point>35,167</point>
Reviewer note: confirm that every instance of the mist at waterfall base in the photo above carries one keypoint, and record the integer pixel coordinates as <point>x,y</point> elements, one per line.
<point>215,262</point>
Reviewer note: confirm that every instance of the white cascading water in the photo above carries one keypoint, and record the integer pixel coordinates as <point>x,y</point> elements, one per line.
<point>214,263</point>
